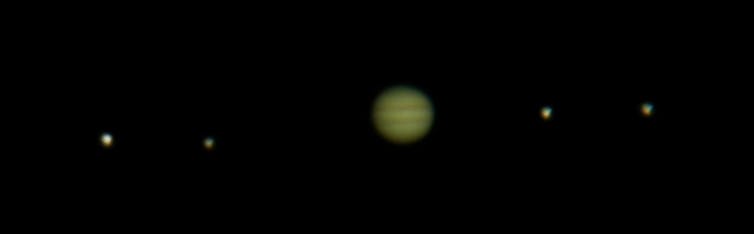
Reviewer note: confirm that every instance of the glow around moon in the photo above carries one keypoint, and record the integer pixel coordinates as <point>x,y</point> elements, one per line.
<point>403,115</point>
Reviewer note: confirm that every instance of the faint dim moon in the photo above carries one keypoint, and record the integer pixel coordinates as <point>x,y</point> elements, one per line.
<point>546,113</point>
<point>107,140</point>
<point>647,109</point>
<point>402,115</point>
<point>209,143</point>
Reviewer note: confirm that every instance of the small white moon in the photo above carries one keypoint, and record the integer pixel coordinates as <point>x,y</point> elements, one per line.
<point>209,143</point>
<point>647,109</point>
<point>107,140</point>
<point>402,115</point>
<point>546,113</point>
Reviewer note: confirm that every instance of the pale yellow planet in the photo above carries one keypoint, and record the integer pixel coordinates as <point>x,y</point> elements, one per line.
<point>403,115</point>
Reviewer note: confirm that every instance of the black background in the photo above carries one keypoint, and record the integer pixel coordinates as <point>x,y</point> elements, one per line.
<point>287,95</point>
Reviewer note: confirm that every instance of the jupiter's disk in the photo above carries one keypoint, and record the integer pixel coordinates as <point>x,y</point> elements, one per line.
<point>402,115</point>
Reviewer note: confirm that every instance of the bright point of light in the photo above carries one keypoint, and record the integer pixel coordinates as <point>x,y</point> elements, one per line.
<point>647,109</point>
<point>209,143</point>
<point>107,140</point>
<point>546,113</point>
<point>402,115</point>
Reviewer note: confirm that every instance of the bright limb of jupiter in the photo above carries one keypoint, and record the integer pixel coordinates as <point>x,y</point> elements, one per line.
<point>402,115</point>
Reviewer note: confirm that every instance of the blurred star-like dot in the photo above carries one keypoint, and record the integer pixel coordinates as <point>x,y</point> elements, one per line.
<point>107,140</point>
<point>209,143</point>
<point>546,113</point>
<point>647,109</point>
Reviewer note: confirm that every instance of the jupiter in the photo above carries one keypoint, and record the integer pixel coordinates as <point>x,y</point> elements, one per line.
<point>402,115</point>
